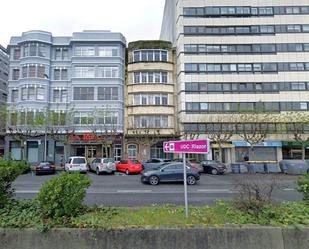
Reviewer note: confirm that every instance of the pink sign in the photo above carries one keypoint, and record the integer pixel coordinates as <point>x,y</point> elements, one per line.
<point>188,146</point>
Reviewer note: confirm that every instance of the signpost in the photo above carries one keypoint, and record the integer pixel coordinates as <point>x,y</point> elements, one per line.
<point>187,146</point>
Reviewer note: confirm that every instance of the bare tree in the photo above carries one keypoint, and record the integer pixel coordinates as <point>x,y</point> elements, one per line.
<point>104,127</point>
<point>30,126</point>
<point>297,124</point>
<point>252,127</point>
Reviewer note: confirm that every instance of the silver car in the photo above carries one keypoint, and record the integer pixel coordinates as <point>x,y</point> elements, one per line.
<point>76,164</point>
<point>100,165</point>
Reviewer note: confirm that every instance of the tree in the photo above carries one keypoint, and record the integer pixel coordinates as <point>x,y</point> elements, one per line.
<point>25,125</point>
<point>222,131</point>
<point>297,124</point>
<point>104,126</point>
<point>253,128</point>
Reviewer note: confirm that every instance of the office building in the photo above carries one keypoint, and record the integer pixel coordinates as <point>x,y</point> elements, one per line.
<point>241,57</point>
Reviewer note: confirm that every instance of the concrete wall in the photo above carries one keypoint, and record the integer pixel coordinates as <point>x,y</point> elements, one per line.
<point>250,237</point>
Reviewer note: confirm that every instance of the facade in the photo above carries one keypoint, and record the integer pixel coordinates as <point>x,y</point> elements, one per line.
<point>241,57</point>
<point>150,99</point>
<point>66,95</point>
<point>4,75</point>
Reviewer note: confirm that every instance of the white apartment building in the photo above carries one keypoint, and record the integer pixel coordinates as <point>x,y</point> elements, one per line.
<point>243,56</point>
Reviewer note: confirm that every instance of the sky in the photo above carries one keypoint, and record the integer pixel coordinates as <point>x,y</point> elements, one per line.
<point>135,19</point>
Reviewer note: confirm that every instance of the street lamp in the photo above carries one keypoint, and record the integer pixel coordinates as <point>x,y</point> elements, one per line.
<point>46,120</point>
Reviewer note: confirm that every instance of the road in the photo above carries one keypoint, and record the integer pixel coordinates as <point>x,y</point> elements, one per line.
<point>122,190</point>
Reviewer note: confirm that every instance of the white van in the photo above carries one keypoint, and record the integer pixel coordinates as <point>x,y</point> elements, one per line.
<point>76,164</point>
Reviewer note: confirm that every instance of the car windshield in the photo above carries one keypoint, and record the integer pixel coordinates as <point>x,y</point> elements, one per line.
<point>79,160</point>
<point>108,160</point>
<point>134,161</point>
<point>44,164</point>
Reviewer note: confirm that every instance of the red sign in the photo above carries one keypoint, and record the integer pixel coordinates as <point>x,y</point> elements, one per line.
<point>89,137</point>
<point>187,146</point>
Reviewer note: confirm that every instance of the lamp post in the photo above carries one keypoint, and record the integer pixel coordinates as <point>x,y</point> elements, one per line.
<point>46,120</point>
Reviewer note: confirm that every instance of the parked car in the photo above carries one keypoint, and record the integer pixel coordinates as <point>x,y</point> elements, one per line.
<point>193,163</point>
<point>129,166</point>
<point>45,168</point>
<point>103,165</point>
<point>154,163</point>
<point>213,167</point>
<point>76,164</point>
<point>171,172</point>
<point>294,167</point>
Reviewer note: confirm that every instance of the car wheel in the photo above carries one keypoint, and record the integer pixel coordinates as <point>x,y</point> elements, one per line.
<point>127,172</point>
<point>154,180</point>
<point>97,171</point>
<point>191,180</point>
<point>214,172</point>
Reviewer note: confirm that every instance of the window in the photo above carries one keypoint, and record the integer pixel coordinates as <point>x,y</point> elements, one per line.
<point>84,51</point>
<point>26,50</point>
<point>150,77</point>
<point>150,99</point>
<point>81,118</point>
<point>61,53</point>
<point>15,75</point>
<point>149,121</point>
<point>33,93</point>
<point>56,74</point>
<point>108,51</point>
<point>42,50</point>
<point>59,95</point>
<point>60,74</point>
<point>14,96</point>
<point>83,93</point>
<point>108,72</point>
<point>150,55</point>
<point>40,93</point>
<point>298,86</point>
<point>107,93</point>
<point>31,71</point>
<point>33,49</point>
<point>132,151</point>
<point>41,72</point>
<point>16,54</point>
<point>84,72</point>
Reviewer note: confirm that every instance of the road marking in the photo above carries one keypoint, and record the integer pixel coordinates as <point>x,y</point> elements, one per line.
<point>133,191</point>
<point>217,191</point>
<point>289,189</point>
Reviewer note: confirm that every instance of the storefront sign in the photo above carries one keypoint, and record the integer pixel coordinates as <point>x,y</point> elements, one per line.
<point>187,146</point>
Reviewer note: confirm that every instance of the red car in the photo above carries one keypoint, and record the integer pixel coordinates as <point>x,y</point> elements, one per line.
<point>129,166</point>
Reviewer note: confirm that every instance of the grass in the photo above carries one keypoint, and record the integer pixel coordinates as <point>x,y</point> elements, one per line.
<point>24,214</point>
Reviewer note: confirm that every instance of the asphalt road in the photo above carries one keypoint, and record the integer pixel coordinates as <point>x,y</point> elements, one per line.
<point>122,190</point>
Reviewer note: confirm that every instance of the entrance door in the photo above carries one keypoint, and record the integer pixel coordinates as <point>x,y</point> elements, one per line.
<point>91,152</point>
<point>80,151</point>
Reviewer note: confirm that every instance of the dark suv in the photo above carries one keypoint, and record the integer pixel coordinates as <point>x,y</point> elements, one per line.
<point>171,172</point>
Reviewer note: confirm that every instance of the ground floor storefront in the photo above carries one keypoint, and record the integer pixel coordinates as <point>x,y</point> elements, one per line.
<point>41,148</point>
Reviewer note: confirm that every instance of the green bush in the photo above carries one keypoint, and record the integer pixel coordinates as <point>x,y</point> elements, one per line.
<point>9,171</point>
<point>62,196</point>
<point>303,186</point>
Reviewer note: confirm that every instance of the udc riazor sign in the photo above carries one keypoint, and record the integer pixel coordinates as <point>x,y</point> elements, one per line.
<point>187,146</point>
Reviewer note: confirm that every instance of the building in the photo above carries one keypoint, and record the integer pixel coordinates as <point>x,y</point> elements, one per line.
<point>237,57</point>
<point>4,75</point>
<point>66,95</point>
<point>150,99</point>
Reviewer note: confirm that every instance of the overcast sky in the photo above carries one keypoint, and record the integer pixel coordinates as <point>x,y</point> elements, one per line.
<point>136,19</point>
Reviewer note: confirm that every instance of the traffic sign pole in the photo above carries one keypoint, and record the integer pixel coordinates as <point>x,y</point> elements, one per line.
<point>185,184</point>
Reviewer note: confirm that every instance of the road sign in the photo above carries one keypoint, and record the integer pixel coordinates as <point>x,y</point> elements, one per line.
<point>187,146</point>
